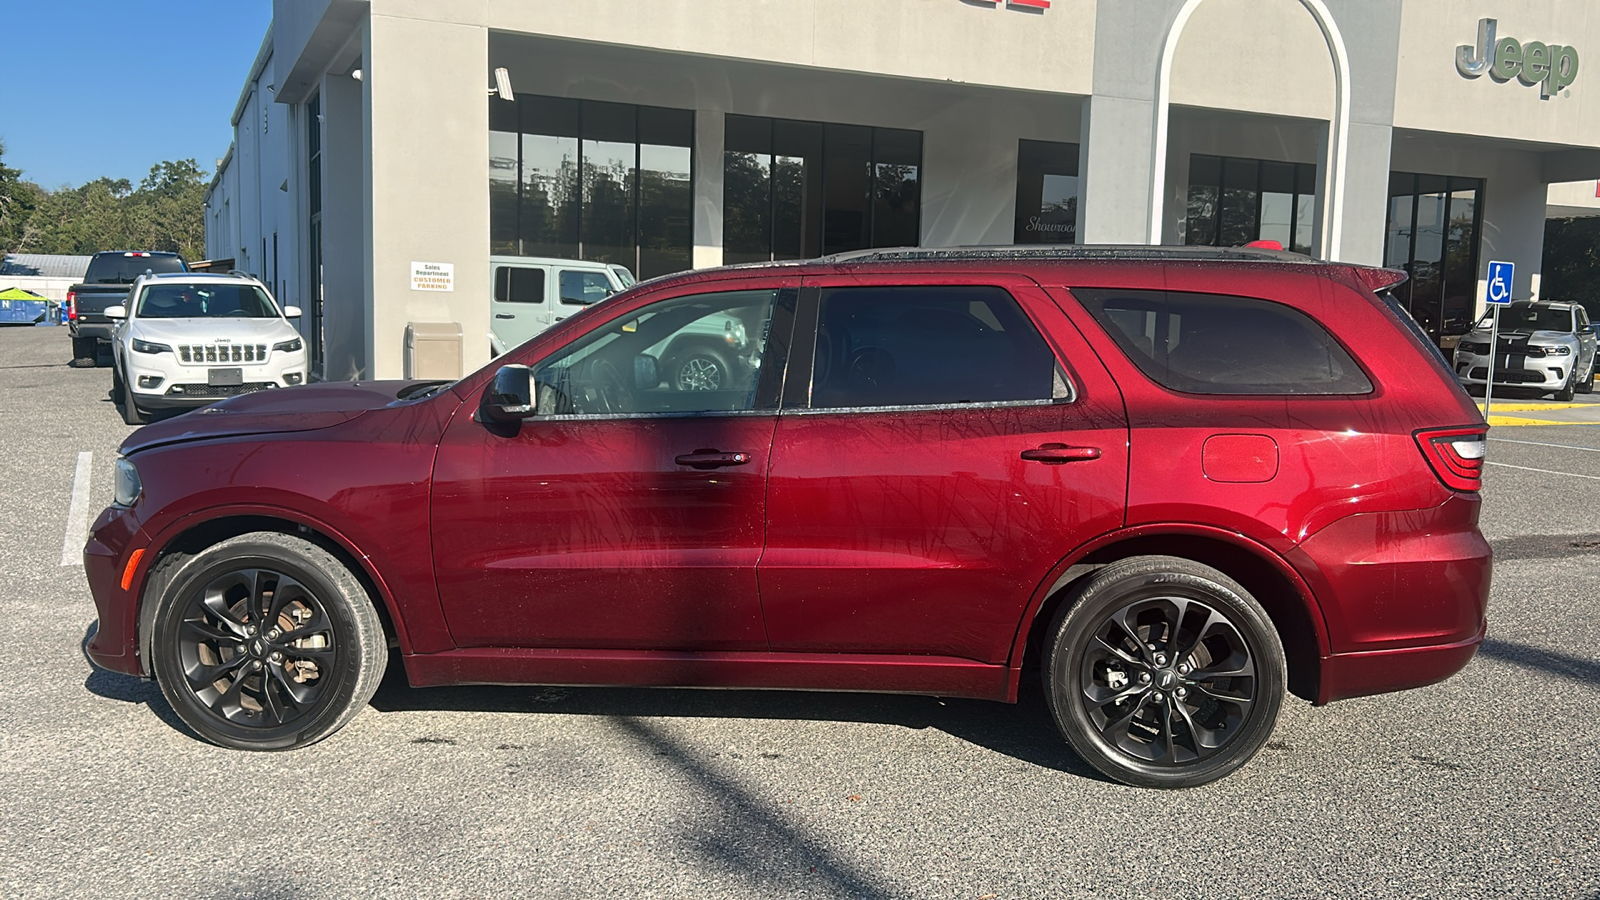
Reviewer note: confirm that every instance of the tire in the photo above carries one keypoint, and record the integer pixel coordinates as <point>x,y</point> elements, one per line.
<point>1586,385</point>
<point>229,614</point>
<point>131,413</point>
<point>1568,389</point>
<point>701,369</point>
<point>118,391</point>
<point>85,353</point>
<point>1119,680</point>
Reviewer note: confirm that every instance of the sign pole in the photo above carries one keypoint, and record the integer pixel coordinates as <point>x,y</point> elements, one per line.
<point>1501,276</point>
<point>1494,353</point>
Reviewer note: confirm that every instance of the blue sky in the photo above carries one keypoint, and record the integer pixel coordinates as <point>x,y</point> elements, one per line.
<point>96,87</point>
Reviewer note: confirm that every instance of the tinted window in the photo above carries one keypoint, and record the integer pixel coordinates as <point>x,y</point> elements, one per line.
<point>120,269</point>
<point>915,346</point>
<point>1217,344</point>
<point>1533,317</point>
<point>514,284</point>
<point>584,288</point>
<point>702,353</point>
<point>205,301</point>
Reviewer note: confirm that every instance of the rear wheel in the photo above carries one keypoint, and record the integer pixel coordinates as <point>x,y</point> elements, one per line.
<point>1165,673</point>
<point>1586,383</point>
<point>265,642</point>
<point>85,352</point>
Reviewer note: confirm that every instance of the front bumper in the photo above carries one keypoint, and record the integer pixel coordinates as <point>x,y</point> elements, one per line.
<point>188,386</point>
<point>1548,373</point>
<point>113,539</point>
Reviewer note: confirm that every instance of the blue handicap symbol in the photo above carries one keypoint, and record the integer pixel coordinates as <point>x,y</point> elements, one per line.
<point>1500,278</point>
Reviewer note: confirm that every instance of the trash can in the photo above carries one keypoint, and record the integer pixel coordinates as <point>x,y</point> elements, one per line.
<point>433,350</point>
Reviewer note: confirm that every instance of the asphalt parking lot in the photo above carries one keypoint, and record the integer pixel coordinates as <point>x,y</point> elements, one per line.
<point>1483,786</point>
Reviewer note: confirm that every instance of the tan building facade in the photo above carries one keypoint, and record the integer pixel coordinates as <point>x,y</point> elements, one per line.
<point>668,134</point>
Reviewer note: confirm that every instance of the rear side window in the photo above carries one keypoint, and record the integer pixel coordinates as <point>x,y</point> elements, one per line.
<point>515,284</point>
<point>1221,344</point>
<point>123,268</point>
<point>583,288</point>
<point>921,346</point>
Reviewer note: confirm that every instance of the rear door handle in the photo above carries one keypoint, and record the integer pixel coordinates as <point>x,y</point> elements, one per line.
<point>1056,454</point>
<point>712,459</point>
<point>504,316</point>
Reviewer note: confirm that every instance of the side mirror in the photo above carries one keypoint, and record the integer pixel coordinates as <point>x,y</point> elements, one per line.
<point>291,312</point>
<point>646,373</point>
<point>116,312</point>
<point>509,398</point>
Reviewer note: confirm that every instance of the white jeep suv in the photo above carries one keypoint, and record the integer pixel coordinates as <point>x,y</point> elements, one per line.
<point>187,339</point>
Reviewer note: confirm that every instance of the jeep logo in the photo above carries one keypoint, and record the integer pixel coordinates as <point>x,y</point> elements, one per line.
<point>1551,66</point>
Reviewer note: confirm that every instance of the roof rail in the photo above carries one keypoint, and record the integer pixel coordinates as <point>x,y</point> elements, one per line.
<point>1071,252</point>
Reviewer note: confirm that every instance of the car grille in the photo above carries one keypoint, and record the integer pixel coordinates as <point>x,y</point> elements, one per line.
<point>222,353</point>
<point>217,390</point>
<point>1507,376</point>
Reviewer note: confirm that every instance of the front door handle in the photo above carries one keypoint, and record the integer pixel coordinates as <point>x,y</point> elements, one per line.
<point>504,316</point>
<point>712,459</point>
<point>1056,454</point>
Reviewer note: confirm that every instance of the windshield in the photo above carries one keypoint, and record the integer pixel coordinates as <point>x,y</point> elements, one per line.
<point>205,301</point>
<point>124,268</point>
<point>1530,317</point>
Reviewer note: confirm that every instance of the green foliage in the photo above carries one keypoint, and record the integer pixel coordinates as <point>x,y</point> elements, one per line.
<point>1571,268</point>
<point>165,212</point>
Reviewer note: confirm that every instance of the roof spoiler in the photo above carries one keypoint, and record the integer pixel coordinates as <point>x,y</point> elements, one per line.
<point>1380,279</point>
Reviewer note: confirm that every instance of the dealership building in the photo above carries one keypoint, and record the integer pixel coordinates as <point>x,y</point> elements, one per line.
<point>380,158</point>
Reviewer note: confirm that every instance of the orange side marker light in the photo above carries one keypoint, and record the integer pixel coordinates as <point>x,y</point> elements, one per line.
<point>133,563</point>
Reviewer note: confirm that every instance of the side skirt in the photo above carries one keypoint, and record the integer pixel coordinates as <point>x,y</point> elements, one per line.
<point>941,676</point>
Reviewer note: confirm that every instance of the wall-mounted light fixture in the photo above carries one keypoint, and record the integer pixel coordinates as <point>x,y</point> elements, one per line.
<point>502,84</point>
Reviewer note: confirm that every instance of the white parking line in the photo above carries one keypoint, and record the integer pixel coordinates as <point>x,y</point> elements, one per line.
<point>1545,471</point>
<point>1547,444</point>
<point>78,513</point>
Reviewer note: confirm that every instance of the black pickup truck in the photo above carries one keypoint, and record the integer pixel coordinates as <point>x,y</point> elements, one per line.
<point>106,284</point>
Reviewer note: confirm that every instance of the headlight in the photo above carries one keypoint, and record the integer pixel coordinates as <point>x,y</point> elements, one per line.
<point>1559,350</point>
<point>147,347</point>
<point>126,486</point>
<point>288,346</point>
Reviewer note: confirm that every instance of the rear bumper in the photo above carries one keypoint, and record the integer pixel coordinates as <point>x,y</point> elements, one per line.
<point>1349,675</point>
<point>1404,596</point>
<point>97,330</point>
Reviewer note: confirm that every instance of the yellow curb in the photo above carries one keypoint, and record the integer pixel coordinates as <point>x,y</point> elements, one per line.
<point>1538,407</point>
<point>1517,420</point>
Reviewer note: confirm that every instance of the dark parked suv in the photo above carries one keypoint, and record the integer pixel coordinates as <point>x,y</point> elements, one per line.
<point>1176,484</point>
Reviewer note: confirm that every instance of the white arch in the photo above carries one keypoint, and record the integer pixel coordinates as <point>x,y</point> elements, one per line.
<point>1338,138</point>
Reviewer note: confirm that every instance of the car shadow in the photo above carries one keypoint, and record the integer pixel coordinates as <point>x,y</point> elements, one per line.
<point>1024,731</point>
<point>128,688</point>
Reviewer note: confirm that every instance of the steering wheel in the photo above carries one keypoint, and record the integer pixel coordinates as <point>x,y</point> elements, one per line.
<point>609,388</point>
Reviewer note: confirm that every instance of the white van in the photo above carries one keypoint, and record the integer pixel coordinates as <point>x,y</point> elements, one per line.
<point>532,293</point>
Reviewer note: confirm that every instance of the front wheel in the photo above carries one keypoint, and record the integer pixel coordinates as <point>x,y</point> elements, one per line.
<point>702,369</point>
<point>131,413</point>
<point>1567,390</point>
<point>265,642</point>
<point>1162,672</point>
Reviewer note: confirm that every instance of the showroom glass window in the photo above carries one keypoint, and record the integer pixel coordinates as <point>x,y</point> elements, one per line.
<point>1432,233</point>
<point>1235,201</point>
<point>1047,193</point>
<point>582,179</point>
<point>795,190</point>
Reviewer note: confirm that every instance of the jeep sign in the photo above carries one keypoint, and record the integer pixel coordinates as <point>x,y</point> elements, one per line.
<point>1551,66</point>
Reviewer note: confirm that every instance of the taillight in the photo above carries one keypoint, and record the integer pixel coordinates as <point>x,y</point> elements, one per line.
<point>72,305</point>
<point>1456,455</point>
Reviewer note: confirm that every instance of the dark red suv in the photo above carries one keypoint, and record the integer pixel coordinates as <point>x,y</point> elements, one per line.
<point>1179,483</point>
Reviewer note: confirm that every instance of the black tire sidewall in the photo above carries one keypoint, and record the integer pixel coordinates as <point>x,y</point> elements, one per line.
<point>238,554</point>
<point>1131,581</point>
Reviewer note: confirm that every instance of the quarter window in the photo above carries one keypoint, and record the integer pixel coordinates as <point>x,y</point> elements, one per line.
<point>917,346</point>
<point>517,284</point>
<point>1219,344</point>
<point>584,288</point>
<point>697,354</point>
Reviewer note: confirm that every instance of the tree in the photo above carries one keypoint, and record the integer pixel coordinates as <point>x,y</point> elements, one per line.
<point>18,200</point>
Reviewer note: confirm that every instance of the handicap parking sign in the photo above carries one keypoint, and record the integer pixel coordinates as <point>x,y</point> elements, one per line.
<point>1500,276</point>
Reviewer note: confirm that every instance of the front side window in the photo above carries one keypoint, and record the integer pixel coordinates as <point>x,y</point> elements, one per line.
<point>211,301</point>
<point>1220,344</point>
<point>696,354</point>
<point>919,346</point>
<point>584,288</point>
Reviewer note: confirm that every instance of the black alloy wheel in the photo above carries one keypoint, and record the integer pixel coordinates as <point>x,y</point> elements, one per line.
<point>1565,393</point>
<point>265,642</point>
<point>1164,673</point>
